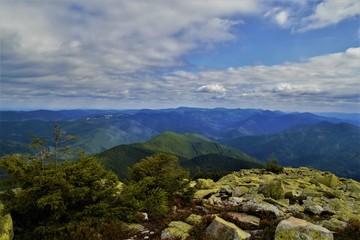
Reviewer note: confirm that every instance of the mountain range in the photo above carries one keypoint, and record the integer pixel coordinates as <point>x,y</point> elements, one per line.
<point>328,141</point>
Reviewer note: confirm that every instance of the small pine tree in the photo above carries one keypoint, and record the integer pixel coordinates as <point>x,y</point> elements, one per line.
<point>157,181</point>
<point>272,165</point>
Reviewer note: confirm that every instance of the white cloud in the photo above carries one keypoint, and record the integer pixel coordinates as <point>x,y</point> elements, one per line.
<point>212,88</point>
<point>282,18</point>
<point>112,50</point>
<point>329,80</point>
<point>330,12</point>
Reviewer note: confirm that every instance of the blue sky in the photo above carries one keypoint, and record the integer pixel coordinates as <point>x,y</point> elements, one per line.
<point>296,55</point>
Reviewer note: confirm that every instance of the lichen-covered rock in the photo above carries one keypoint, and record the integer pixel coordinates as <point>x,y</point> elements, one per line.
<point>176,229</point>
<point>294,228</point>
<point>312,207</point>
<point>239,191</point>
<point>262,207</point>
<point>334,224</point>
<point>274,189</point>
<point>219,229</point>
<point>328,179</point>
<point>243,219</point>
<point>193,219</point>
<point>204,193</point>
<point>204,183</point>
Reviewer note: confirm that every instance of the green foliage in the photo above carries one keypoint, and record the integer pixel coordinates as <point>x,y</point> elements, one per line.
<point>272,165</point>
<point>49,199</point>
<point>193,151</point>
<point>156,182</point>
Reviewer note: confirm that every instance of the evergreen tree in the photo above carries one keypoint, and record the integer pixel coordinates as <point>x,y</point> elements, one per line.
<point>48,200</point>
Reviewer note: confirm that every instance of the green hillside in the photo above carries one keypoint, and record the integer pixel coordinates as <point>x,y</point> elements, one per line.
<point>188,147</point>
<point>325,146</point>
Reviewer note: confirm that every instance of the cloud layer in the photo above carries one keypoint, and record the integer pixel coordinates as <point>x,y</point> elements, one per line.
<point>111,54</point>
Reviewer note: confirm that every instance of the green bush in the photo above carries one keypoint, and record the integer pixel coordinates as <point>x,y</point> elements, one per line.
<point>272,165</point>
<point>157,182</point>
<point>50,199</point>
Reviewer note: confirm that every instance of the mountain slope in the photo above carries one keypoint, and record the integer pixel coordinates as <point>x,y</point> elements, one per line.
<point>102,129</point>
<point>326,146</point>
<point>187,147</point>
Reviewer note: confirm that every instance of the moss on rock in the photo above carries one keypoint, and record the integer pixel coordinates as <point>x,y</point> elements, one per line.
<point>294,228</point>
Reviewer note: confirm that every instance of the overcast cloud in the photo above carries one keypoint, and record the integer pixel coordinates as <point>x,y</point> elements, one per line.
<point>132,54</point>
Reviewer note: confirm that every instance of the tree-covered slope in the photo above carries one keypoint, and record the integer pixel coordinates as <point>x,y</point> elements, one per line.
<point>326,146</point>
<point>188,147</point>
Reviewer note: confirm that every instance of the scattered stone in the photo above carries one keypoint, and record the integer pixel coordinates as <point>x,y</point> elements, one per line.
<point>334,224</point>
<point>141,216</point>
<point>295,228</point>
<point>262,208</point>
<point>239,191</point>
<point>193,219</point>
<point>219,229</point>
<point>274,189</point>
<point>244,220</point>
<point>176,229</point>
<point>204,183</point>
<point>312,207</point>
<point>234,201</point>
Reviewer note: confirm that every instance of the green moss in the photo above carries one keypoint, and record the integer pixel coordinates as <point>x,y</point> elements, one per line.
<point>274,189</point>
<point>177,229</point>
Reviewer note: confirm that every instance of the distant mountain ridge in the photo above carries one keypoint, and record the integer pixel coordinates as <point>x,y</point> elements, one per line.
<point>290,136</point>
<point>188,147</point>
<point>325,146</point>
<point>99,130</point>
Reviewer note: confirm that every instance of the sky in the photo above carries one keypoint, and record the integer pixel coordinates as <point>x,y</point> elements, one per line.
<point>294,55</point>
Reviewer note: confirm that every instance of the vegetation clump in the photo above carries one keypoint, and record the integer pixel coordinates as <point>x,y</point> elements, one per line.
<point>272,165</point>
<point>52,198</point>
<point>157,182</point>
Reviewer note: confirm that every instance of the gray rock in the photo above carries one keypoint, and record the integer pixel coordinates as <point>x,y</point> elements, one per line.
<point>219,229</point>
<point>261,207</point>
<point>238,191</point>
<point>244,220</point>
<point>176,229</point>
<point>295,228</point>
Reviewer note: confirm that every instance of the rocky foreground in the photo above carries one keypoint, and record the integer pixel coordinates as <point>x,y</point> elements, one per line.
<point>300,203</point>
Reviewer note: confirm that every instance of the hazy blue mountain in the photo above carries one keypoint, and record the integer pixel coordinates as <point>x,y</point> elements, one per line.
<point>192,149</point>
<point>102,129</point>
<point>48,115</point>
<point>326,146</point>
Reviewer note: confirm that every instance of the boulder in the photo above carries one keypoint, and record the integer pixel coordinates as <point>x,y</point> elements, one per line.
<point>328,179</point>
<point>204,183</point>
<point>175,230</point>
<point>219,229</point>
<point>239,191</point>
<point>244,220</point>
<point>274,189</point>
<point>262,208</point>
<point>193,219</point>
<point>334,224</point>
<point>295,228</point>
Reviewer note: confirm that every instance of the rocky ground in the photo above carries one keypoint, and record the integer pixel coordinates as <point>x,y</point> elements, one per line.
<point>300,203</point>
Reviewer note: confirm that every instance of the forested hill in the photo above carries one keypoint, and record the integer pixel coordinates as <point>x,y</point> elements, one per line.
<point>325,146</point>
<point>194,151</point>
<point>99,130</point>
